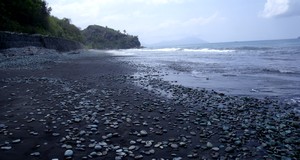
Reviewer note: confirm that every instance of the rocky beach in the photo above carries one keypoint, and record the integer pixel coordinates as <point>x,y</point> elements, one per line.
<point>90,105</point>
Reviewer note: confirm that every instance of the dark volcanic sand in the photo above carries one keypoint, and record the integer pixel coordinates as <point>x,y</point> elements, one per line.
<point>92,106</point>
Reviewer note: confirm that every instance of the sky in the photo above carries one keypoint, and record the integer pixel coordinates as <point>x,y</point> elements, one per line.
<point>155,21</point>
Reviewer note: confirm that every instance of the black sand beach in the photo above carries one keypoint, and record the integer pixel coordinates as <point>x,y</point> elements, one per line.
<point>92,106</point>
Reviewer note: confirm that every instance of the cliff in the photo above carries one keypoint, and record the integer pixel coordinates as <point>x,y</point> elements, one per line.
<point>18,40</point>
<point>99,37</point>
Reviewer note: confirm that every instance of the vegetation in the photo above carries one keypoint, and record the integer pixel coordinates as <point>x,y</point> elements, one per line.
<point>33,16</point>
<point>64,29</point>
<point>106,38</point>
<point>30,16</point>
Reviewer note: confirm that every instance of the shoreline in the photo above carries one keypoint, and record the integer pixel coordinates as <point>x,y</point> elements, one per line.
<point>87,106</point>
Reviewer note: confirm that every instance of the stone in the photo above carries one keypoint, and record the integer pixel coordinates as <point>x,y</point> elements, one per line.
<point>174,146</point>
<point>6,148</point>
<point>215,155</point>
<point>143,133</point>
<point>193,133</point>
<point>209,145</point>
<point>139,157</point>
<point>131,147</point>
<point>36,154</point>
<point>216,148</point>
<point>55,134</point>
<point>16,141</point>
<point>77,120</point>
<point>69,153</point>
<point>2,126</point>
<point>228,149</point>
<point>98,147</point>
<point>148,144</point>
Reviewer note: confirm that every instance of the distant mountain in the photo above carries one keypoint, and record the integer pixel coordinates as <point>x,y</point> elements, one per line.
<point>98,37</point>
<point>178,42</point>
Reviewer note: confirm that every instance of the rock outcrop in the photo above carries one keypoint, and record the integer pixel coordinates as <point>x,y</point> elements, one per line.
<point>18,40</point>
<point>98,37</point>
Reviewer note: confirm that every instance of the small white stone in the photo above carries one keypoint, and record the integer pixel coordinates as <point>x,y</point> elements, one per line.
<point>6,148</point>
<point>69,153</point>
<point>209,145</point>
<point>216,148</point>
<point>131,147</point>
<point>16,141</point>
<point>143,133</point>
<point>98,147</point>
<point>35,154</point>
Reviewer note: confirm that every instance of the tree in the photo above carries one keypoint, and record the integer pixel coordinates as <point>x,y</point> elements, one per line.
<point>24,15</point>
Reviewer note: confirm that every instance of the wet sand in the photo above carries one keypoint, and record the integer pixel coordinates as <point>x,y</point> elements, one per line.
<point>92,106</point>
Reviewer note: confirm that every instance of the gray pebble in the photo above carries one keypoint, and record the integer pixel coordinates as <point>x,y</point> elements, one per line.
<point>69,153</point>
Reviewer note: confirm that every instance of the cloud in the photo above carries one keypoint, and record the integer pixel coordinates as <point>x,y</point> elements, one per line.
<point>149,19</point>
<point>281,8</point>
<point>199,21</point>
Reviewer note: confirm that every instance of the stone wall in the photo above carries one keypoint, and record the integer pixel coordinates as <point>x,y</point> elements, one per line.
<point>18,40</point>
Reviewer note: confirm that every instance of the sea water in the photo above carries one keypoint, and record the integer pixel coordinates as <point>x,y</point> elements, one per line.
<point>255,68</point>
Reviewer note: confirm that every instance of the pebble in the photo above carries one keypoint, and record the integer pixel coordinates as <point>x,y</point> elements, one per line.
<point>16,141</point>
<point>216,148</point>
<point>36,154</point>
<point>215,154</point>
<point>148,144</point>
<point>132,147</point>
<point>228,149</point>
<point>143,133</point>
<point>98,147</point>
<point>6,148</point>
<point>2,126</point>
<point>219,112</point>
<point>77,120</point>
<point>69,153</point>
<point>193,133</point>
<point>209,145</point>
<point>55,134</point>
<point>139,157</point>
<point>174,146</point>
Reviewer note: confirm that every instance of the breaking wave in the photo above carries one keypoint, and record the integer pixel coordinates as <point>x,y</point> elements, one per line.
<point>207,50</point>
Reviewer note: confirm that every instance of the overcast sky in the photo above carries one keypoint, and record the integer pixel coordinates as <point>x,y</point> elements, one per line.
<point>163,20</point>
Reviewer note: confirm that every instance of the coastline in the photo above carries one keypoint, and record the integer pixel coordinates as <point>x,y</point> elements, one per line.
<point>97,106</point>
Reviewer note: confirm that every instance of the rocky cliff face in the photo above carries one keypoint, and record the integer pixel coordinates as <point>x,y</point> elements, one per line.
<point>17,40</point>
<point>98,37</point>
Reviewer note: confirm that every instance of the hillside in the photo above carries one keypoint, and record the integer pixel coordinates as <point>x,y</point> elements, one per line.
<point>99,37</point>
<point>33,17</point>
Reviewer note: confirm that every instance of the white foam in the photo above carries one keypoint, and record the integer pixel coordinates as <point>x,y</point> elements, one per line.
<point>204,50</point>
<point>207,50</point>
<point>130,52</point>
<point>121,52</point>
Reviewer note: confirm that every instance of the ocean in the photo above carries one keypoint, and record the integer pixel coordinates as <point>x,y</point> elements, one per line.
<point>254,68</point>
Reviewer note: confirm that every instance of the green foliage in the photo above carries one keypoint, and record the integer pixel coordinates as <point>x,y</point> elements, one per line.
<point>30,16</point>
<point>33,16</point>
<point>64,29</point>
<point>106,38</point>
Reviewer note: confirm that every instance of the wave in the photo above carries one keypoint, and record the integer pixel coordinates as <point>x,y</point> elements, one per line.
<point>120,52</point>
<point>208,50</point>
<point>253,48</point>
<point>203,50</point>
<point>282,71</point>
